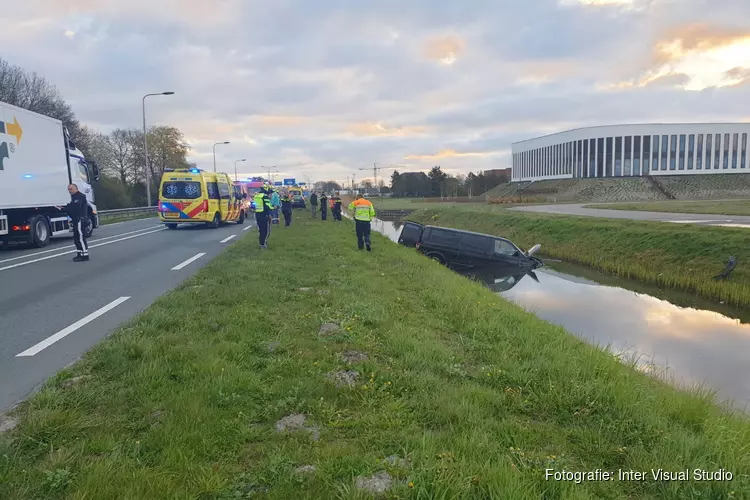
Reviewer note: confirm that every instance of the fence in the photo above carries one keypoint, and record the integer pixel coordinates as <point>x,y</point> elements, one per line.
<point>126,213</point>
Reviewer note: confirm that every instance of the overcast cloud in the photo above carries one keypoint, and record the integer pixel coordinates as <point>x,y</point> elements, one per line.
<point>323,88</point>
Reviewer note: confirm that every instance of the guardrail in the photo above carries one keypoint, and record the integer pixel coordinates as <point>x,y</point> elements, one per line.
<point>127,213</point>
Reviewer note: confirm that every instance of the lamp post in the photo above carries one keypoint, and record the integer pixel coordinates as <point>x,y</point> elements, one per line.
<point>235,169</point>
<point>145,146</point>
<point>216,144</point>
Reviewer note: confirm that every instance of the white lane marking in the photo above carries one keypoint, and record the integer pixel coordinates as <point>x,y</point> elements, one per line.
<point>187,262</point>
<point>696,221</point>
<point>228,238</point>
<point>74,251</point>
<point>57,249</point>
<point>745,226</point>
<point>248,227</point>
<point>31,351</point>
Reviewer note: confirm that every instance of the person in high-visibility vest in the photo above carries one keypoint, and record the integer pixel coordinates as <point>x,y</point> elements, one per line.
<point>286,208</point>
<point>364,212</point>
<point>323,206</point>
<point>336,207</point>
<point>263,211</point>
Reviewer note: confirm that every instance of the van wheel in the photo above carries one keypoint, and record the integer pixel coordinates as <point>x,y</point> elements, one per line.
<point>216,222</point>
<point>241,220</point>
<point>436,257</point>
<point>171,226</point>
<point>40,231</point>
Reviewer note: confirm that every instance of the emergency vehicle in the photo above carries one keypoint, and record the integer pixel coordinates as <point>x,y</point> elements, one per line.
<point>196,196</point>
<point>298,198</point>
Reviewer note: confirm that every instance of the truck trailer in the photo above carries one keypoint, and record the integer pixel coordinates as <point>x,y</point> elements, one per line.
<point>37,162</point>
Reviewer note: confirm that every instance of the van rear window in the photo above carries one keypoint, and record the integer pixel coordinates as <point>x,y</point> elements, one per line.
<point>411,232</point>
<point>181,190</point>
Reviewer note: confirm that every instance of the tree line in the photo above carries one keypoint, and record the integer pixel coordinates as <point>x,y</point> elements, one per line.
<point>119,154</point>
<point>437,183</point>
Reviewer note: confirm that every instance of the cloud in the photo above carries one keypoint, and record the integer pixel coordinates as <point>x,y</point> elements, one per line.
<point>449,153</point>
<point>444,49</point>
<point>324,88</point>
<point>380,130</point>
<point>698,56</point>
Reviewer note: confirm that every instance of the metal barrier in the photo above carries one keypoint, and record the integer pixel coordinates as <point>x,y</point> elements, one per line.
<point>127,213</point>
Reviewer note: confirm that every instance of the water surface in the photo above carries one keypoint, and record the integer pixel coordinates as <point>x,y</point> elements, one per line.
<point>682,338</point>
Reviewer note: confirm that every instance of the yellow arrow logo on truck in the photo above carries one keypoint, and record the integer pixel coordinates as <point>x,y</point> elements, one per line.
<point>13,129</point>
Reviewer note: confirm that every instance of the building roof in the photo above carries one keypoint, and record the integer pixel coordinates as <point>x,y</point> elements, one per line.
<point>659,124</point>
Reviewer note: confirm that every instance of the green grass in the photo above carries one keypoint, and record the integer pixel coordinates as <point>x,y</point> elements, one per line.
<point>726,207</point>
<point>479,396</point>
<point>414,203</point>
<point>678,256</point>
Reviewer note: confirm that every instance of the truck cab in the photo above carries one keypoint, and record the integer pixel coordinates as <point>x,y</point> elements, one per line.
<point>83,174</point>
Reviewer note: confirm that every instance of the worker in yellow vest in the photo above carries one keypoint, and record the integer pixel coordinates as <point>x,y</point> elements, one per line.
<point>364,212</point>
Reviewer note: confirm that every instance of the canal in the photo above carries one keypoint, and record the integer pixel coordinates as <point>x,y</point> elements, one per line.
<point>671,334</point>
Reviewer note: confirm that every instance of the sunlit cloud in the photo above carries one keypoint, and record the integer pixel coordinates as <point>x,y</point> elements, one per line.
<point>444,50</point>
<point>697,57</point>
<point>380,130</point>
<point>450,153</point>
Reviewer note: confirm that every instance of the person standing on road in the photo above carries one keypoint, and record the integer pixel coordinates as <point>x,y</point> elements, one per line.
<point>363,215</point>
<point>286,208</point>
<point>276,202</point>
<point>337,207</point>
<point>323,206</point>
<point>314,204</point>
<point>78,210</point>
<point>263,211</point>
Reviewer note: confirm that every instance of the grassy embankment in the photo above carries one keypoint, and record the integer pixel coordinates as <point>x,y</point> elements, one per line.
<point>416,203</point>
<point>475,395</point>
<point>726,207</point>
<point>676,256</point>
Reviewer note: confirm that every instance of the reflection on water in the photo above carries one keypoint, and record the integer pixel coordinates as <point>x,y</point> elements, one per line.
<point>697,345</point>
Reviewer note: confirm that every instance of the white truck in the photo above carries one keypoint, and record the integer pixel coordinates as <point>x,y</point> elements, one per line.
<point>37,162</point>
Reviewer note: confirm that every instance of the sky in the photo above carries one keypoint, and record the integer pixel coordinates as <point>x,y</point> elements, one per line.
<point>324,89</point>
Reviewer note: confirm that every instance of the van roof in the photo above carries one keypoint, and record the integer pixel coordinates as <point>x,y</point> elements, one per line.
<point>462,231</point>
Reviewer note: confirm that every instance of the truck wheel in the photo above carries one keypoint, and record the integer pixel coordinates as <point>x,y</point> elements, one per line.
<point>171,226</point>
<point>241,220</point>
<point>40,232</point>
<point>216,222</point>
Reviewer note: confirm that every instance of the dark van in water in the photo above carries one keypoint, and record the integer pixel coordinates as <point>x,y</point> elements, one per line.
<point>461,249</point>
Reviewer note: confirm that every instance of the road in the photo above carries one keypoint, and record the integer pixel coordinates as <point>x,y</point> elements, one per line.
<point>703,219</point>
<point>52,310</point>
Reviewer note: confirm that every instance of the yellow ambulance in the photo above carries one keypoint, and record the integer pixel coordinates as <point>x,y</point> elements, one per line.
<point>196,196</point>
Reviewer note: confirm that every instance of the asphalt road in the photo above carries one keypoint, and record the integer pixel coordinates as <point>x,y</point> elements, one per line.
<point>703,219</point>
<point>52,310</point>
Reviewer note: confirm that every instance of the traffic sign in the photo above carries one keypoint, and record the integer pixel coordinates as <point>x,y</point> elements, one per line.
<point>289,182</point>
<point>278,183</point>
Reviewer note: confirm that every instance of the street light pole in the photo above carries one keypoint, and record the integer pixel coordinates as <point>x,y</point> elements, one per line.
<point>216,144</point>
<point>145,146</point>
<point>235,169</point>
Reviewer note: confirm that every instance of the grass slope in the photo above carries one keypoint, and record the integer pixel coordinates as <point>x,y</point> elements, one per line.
<point>670,255</point>
<point>727,207</point>
<point>477,396</point>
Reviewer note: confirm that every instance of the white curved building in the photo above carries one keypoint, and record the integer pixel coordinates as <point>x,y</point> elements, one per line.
<point>634,150</point>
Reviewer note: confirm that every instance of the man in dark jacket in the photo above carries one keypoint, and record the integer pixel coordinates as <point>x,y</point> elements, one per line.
<point>323,206</point>
<point>286,208</point>
<point>78,210</point>
<point>314,203</point>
